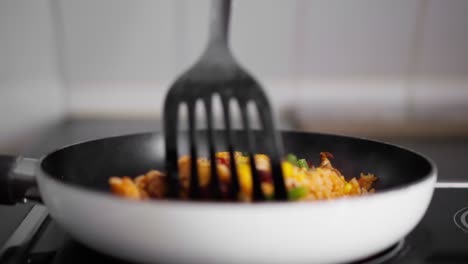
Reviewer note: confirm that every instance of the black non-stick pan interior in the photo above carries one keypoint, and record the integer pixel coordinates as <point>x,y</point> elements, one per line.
<point>90,164</point>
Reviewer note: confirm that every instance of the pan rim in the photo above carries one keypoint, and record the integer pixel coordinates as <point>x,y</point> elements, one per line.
<point>431,175</point>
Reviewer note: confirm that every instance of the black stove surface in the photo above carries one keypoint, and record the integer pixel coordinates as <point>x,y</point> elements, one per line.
<point>441,237</point>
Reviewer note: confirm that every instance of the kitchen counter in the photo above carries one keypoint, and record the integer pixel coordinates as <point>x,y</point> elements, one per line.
<point>450,153</point>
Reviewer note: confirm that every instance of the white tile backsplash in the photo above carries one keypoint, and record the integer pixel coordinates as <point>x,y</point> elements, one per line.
<point>119,40</point>
<point>262,37</point>
<point>31,94</point>
<point>355,38</point>
<point>399,58</point>
<point>261,34</point>
<point>439,99</point>
<point>349,99</point>
<point>315,52</point>
<point>444,39</point>
<point>114,99</point>
<point>195,15</point>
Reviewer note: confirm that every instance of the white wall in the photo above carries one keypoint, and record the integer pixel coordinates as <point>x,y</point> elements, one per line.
<point>390,60</point>
<point>394,56</point>
<point>30,91</point>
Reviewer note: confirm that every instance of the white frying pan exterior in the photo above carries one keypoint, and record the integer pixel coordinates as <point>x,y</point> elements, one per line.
<point>335,231</point>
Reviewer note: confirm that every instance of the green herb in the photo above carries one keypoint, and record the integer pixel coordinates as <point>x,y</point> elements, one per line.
<point>302,163</point>
<point>297,193</point>
<point>292,159</point>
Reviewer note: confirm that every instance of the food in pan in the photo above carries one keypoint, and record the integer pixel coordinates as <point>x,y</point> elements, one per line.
<point>303,180</point>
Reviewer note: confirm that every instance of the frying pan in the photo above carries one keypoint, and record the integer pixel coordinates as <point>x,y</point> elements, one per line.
<point>72,183</point>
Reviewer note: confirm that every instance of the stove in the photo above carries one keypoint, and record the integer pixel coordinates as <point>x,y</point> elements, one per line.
<point>29,235</point>
<point>441,237</point>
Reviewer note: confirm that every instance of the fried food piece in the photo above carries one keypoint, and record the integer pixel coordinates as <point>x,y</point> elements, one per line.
<point>149,185</point>
<point>125,187</point>
<point>152,184</point>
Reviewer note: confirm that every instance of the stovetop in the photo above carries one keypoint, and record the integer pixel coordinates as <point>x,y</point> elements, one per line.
<point>27,233</point>
<point>441,237</point>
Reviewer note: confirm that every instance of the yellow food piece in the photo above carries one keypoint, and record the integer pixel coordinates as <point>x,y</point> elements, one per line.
<point>245,178</point>
<point>287,169</point>
<point>204,171</point>
<point>347,188</point>
<point>268,189</point>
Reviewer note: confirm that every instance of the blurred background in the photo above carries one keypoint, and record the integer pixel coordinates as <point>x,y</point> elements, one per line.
<point>394,70</point>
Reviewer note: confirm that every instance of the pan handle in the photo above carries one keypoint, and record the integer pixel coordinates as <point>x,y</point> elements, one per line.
<point>17,180</point>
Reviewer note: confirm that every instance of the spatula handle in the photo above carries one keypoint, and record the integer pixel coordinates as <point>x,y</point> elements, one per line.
<point>219,22</point>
